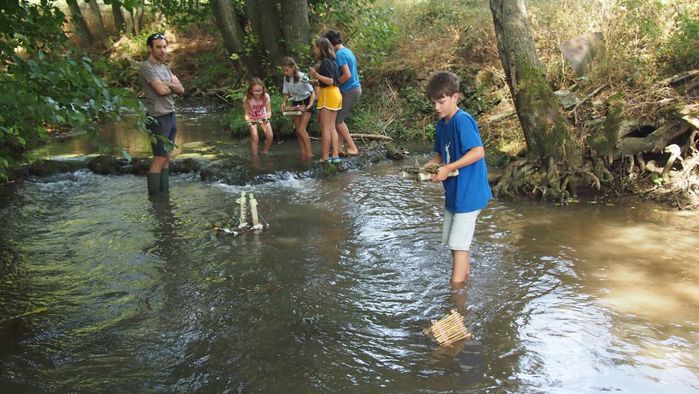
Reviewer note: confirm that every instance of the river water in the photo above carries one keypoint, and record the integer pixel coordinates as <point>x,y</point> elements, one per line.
<point>124,294</point>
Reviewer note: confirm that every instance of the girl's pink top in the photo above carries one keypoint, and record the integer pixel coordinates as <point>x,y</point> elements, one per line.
<point>257,108</point>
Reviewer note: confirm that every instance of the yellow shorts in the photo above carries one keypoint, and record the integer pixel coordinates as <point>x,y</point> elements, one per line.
<point>330,98</point>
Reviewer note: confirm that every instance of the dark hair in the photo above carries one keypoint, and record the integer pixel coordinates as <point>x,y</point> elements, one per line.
<point>334,37</point>
<point>441,84</point>
<point>155,36</point>
<point>326,48</point>
<point>255,81</point>
<point>290,62</point>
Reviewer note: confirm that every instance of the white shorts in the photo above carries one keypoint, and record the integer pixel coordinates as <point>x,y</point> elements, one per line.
<point>458,228</point>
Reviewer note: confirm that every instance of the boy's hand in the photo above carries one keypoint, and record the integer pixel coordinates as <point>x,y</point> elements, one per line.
<point>441,174</point>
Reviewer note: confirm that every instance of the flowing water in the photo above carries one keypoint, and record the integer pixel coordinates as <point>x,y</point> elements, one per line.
<point>124,294</point>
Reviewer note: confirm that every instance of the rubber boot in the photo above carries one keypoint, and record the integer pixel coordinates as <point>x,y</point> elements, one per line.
<point>153,183</point>
<point>165,180</point>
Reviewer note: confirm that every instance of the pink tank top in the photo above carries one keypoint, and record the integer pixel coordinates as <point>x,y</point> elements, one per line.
<point>257,109</point>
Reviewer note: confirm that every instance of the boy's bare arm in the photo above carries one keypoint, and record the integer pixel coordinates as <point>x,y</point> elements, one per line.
<point>472,156</point>
<point>346,74</point>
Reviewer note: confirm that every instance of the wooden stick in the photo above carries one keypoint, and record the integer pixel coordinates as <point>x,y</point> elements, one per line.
<point>372,136</point>
<point>594,92</point>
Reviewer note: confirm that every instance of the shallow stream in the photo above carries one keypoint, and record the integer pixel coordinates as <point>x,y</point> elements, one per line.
<point>142,296</point>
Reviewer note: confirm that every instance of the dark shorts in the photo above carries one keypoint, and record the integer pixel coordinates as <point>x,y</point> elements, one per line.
<point>349,99</point>
<point>166,126</point>
<point>305,103</point>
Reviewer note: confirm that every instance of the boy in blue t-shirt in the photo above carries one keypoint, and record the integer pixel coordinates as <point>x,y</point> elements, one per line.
<point>459,148</point>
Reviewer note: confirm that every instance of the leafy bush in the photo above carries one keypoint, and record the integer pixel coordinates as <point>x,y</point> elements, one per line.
<point>44,87</point>
<point>681,52</point>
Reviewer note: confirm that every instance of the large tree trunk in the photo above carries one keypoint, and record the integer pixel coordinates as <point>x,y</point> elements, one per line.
<point>233,34</point>
<point>129,21</point>
<point>79,24</point>
<point>295,26</point>
<point>138,19</point>
<point>546,131</point>
<point>264,19</point>
<point>99,24</point>
<point>227,23</point>
<point>119,20</point>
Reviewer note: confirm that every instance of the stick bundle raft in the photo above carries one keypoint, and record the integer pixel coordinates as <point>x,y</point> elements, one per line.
<point>448,329</point>
<point>258,222</point>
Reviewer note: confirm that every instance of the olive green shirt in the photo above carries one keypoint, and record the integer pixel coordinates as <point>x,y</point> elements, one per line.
<point>156,105</point>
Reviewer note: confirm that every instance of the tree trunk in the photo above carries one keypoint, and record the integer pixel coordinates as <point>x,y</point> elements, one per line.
<point>138,19</point>
<point>119,20</point>
<point>234,36</point>
<point>545,129</point>
<point>99,24</point>
<point>129,22</point>
<point>295,26</point>
<point>79,24</point>
<point>264,18</point>
<point>227,23</point>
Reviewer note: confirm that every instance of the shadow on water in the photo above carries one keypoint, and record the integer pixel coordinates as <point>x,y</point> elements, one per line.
<point>142,296</point>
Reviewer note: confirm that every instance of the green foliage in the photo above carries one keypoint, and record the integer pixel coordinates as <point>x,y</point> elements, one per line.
<point>213,70</point>
<point>658,180</point>
<point>375,36</point>
<point>634,33</point>
<point>367,28</point>
<point>681,52</point>
<point>44,87</point>
<point>442,14</point>
<point>183,12</point>
<point>281,125</point>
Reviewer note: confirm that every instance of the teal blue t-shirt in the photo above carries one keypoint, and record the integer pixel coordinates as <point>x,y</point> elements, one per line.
<point>345,56</point>
<point>469,191</point>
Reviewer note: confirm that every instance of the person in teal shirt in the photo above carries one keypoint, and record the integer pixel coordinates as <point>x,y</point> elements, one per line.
<point>461,157</point>
<point>350,87</point>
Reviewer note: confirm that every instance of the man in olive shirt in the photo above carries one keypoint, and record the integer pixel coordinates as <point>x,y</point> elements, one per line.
<point>159,85</point>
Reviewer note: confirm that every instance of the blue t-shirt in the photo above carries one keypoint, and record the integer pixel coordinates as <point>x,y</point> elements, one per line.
<point>345,57</point>
<point>469,191</point>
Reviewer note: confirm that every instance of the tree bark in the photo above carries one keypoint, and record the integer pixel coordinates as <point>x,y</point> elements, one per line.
<point>128,19</point>
<point>138,19</point>
<point>227,23</point>
<point>546,131</point>
<point>295,26</point>
<point>99,24</point>
<point>234,36</point>
<point>119,20</point>
<point>79,24</point>
<point>265,21</point>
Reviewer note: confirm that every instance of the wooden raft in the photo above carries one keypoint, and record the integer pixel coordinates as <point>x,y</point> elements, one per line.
<point>448,330</point>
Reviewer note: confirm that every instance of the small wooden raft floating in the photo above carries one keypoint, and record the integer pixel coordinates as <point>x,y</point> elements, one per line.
<point>448,330</point>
